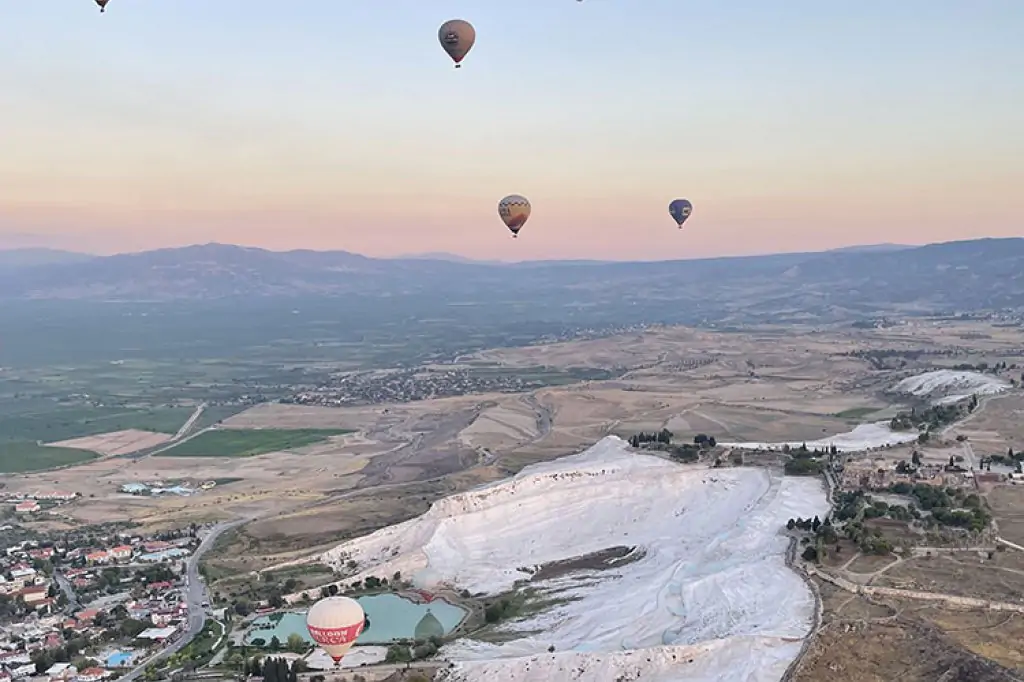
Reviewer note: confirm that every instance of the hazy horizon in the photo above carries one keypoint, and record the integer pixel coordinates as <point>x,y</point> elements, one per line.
<point>334,126</point>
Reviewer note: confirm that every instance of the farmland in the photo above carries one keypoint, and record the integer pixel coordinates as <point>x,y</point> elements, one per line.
<point>249,443</point>
<point>19,457</point>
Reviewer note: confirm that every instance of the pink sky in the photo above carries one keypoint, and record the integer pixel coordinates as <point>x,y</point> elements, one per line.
<point>795,128</point>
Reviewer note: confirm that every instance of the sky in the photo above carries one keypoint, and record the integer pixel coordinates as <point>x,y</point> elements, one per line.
<point>327,124</point>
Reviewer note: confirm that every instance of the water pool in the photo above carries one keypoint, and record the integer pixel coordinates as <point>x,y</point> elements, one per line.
<point>392,617</point>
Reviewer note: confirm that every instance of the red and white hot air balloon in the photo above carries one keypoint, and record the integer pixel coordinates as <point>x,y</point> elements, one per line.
<point>334,623</point>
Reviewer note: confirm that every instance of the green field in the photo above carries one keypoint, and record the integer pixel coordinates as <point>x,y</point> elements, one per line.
<point>857,412</point>
<point>66,422</point>
<point>18,457</point>
<point>249,442</point>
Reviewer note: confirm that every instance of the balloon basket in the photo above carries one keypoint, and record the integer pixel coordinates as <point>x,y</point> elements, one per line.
<point>458,66</point>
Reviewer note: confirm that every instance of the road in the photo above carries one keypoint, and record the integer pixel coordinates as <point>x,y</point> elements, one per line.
<point>187,426</point>
<point>69,592</point>
<point>195,595</point>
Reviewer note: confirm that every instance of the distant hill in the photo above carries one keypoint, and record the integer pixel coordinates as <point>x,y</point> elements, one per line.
<point>39,256</point>
<point>838,284</point>
<point>441,255</point>
<point>870,248</point>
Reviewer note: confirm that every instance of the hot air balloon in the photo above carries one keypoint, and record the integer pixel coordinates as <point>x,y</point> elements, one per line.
<point>680,210</point>
<point>514,211</point>
<point>334,623</point>
<point>457,38</point>
<point>102,4</point>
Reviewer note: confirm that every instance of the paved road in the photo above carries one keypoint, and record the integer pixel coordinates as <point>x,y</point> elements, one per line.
<point>195,595</point>
<point>187,426</point>
<point>65,586</point>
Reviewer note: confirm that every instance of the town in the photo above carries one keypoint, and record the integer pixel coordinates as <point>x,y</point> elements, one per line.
<point>407,385</point>
<point>88,605</point>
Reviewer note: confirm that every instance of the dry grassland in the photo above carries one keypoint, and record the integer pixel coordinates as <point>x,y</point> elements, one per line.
<point>772,384</point>
<point>116,442</point>
<point>962,574</point>
<point>1007,503</point>
<point>998,427</point>
<point>870,640</point>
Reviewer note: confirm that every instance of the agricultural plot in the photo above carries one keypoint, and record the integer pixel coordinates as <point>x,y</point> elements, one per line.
<point>248,443</point>
<point>21,456</point>
<point>66,423</point>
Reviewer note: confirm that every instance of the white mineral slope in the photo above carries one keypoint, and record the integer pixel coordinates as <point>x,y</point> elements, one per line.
<point>863,437</point>
<point>946,385</point>
<point>712,586</point>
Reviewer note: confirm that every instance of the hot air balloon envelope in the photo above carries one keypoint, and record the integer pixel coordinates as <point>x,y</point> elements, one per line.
<point>102,4</point>
<point>680,210</point>
<point>514,211</point>
<point>334,623</point>
<point>457,38</point>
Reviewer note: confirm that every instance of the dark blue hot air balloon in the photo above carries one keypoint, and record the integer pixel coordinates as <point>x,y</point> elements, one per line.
<point>680,210</point>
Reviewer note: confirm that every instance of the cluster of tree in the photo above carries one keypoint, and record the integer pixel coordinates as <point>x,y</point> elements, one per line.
<point>11,607</point>
<point>804,467</point>
<point>274,669</point>
<point>869,540</point>
<point>803,452</point>
<point>664,437</point>
<point>948,506</point>
<point>69,652</point>
<point>976,519</point>
<point>984,367</point>
<point>295,644</point>
<point>1011,458</point>
<point>684,452</point>
<point>421,649</point>
<point>501,609</point>
<point>823,530</point>
<point>879,508</point>
<point>888,358</point>
<point>369,583</point>
<point>933,417</point>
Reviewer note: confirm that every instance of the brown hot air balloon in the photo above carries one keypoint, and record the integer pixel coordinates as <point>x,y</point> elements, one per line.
<point>457,38</point>
<point>102,4</point>
<point>514,211</point>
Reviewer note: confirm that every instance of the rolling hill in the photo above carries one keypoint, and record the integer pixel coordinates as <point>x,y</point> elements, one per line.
<point>946,277</point>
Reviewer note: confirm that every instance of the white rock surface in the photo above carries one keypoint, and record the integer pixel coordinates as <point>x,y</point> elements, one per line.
<point>711,599</point>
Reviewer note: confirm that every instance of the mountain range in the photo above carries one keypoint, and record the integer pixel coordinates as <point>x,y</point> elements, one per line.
<point>857,281</point>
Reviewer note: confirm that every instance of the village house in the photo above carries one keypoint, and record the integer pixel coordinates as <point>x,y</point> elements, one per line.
<point>61,671</point>
<point>86,616</point>
<point>91,675</point>
<point>43,553</point>
<point>22,572</point>
<point>54,495</point>
<point>26,507</point>
<point>97,557</point>
<point>156,546</point>
<point>121,553</point>
<point>23,670</point>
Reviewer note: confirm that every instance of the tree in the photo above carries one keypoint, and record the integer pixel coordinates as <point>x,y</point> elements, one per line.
<point>296,644</point>
<point>915,458</point>
<point>275,643</point>
<point>791,524</point>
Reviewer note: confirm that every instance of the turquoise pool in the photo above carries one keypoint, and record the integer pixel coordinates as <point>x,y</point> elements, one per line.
<point>391,617</point>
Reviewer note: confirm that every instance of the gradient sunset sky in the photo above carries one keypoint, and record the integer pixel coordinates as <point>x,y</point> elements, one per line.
<point>341,124</point>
